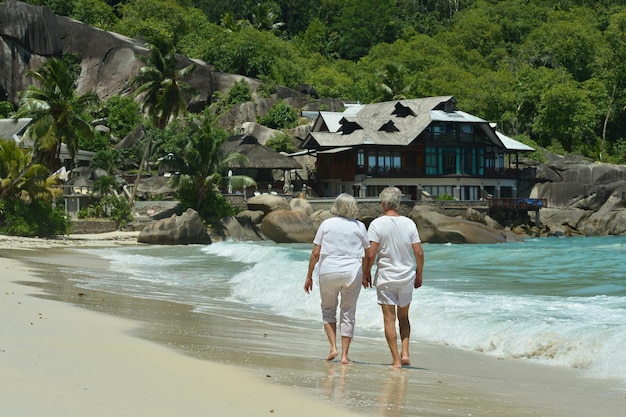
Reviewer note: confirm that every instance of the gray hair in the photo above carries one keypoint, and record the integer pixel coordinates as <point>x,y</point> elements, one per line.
<point>345,206</point>
<point>390,197</point>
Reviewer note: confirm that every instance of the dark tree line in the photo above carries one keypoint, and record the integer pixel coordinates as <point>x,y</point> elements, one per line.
<point>549,72</point>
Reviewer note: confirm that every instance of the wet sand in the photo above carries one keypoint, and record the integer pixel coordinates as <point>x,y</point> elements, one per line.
<point>149,357</point>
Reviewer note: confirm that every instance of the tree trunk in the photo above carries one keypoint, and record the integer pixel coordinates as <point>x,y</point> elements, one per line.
<point>144,160</point>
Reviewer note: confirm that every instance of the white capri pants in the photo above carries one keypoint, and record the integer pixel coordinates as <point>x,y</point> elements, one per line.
<point>345,284</point>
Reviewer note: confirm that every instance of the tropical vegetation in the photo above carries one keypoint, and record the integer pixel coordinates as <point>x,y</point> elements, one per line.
<point>28,196</point>
<point>57,112</point>
<point>547,71</point>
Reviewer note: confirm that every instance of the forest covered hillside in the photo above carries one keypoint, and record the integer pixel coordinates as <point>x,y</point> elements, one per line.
<point>550,73</point>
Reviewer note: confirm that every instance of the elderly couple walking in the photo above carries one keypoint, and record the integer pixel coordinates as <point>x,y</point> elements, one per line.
<point>344,251</point>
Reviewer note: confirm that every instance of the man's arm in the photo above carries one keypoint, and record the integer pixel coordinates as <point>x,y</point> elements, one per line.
<point>419,259</point>
<point>368,262</point>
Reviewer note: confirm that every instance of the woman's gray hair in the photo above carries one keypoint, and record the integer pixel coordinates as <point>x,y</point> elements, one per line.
<point>345,206</point>
<point>390,197</point>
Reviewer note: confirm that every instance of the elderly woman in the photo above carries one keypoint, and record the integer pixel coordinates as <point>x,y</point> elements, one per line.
<point>338,256</point>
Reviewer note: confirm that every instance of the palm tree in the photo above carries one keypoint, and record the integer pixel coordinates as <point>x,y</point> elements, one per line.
<point>393,85</point>
<point>163,91</point>
<point>265,16</point>
<point>56,111</point>
<point>28,195</point>
<point>20,179</point>
<point>202,163</point>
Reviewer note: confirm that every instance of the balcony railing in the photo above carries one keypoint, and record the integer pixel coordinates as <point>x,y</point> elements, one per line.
<point>530,204</point>
<point>76,189</point>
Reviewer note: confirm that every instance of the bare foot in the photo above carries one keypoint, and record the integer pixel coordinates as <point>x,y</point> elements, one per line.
<point>332,355</point>
<point>396,367</point>
<point>346,361</point>
<point>405,361</point>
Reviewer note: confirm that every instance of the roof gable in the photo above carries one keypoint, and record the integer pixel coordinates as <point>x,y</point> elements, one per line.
<point>397,123</point>
<point>13,129</point>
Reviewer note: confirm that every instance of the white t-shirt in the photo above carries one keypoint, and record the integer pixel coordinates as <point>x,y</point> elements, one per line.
<point>343,242</point>
<point>395,236</point>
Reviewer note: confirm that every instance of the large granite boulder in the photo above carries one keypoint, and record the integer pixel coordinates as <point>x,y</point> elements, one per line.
<point>288,226</point>
<point>320,215</point>
<point>435,227</point>
<point>150,187</point>
<point>301,204</point>
<point>571,180</point>
<point>31,34</point>
<point>185,229</point>
<point>610,218</point>
<point>583,197</point>
<point>268,203</point>
<point>241,229</point>
<point>25,42</point>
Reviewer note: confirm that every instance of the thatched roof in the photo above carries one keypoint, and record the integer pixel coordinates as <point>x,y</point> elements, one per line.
<point>259,156</point>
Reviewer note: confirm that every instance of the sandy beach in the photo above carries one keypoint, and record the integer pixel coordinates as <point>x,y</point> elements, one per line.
<point>60,359</point>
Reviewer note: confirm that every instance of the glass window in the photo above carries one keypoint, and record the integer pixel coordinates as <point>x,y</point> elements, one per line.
<point>360,161</point>
<point>431,161</point>
<point>371,164</point>
<point>467,133</point>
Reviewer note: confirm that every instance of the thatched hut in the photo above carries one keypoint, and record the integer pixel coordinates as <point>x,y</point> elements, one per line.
<point>263,164</point>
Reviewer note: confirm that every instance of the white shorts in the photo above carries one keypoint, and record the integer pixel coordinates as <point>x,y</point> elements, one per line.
<point>394,295</point>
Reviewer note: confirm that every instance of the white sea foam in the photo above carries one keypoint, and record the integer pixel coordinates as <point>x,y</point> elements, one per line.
<point>495,299</point>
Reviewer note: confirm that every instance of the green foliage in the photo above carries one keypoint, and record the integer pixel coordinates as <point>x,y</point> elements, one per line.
<point>201,166</point>
<point>122,114</point>
<point>104,185</point>
<point>281,116</point>
<point>281,143</point>
<point>27,196</point>
<point>214,206</point>
<point>161,83</point>
<point>163,89</point>
<point>238,93</point>
<point>36,219</point>
<point>109,207</point>
<point>96,13</point>
<point>153,20</point>
<point>267,88</point>
<point>6,109</point>
<point>561,43</point>
<point>57,111</point>
<point>505,61</point>
<point>22,179</point>
<point>443,197</point>
<point>60,7</point>
<point>370,22</point>
<point>247,52</point>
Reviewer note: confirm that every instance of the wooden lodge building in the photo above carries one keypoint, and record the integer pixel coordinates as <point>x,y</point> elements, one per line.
<point>419,145</point>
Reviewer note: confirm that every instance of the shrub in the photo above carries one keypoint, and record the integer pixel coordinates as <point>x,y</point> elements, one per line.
<point>214,206</point>
<point>281,116</point>
<point>6,109</point>
<point>37,219</point>
<point>281,143</point>
<point>109,206</point>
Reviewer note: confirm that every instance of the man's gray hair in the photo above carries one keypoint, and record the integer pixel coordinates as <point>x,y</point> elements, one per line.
<point>390,197</point>
<point>345,206</point>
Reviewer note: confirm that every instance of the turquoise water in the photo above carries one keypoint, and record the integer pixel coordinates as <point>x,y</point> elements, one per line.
<point>553,301</point>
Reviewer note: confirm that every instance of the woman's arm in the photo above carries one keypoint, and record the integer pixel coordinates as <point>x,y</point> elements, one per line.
<point>315,257</point>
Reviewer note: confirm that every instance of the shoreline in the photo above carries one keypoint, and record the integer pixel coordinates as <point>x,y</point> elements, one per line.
<point>442,381</point>
<point>60,360</point>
